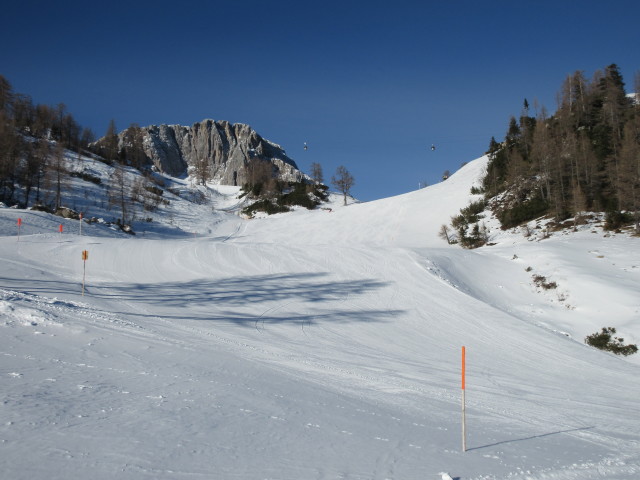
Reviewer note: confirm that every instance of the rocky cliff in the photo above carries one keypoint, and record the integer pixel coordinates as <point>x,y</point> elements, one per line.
<point>222,148</point>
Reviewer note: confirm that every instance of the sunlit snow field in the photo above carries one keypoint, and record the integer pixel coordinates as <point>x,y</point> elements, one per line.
<point>317,344</point>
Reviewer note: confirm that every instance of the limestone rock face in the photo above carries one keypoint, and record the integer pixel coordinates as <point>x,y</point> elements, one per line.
<point>224,149</point>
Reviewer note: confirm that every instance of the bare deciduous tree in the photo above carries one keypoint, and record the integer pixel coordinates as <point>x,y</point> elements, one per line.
<point>446,234</point>
<point>58,171</point>
<point>260,176</point>
<point>110,144</point>
<point>119,190</point>
<point>316,173</point>
<point>42,153</point>
<point>133,148</point>
<point>343,181</point>
<point>202,170</point>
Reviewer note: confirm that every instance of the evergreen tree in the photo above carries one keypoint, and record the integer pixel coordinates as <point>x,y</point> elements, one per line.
<point>6,95</point>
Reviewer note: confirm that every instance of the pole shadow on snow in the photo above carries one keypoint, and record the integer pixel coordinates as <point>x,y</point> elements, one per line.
<point>531,438</point>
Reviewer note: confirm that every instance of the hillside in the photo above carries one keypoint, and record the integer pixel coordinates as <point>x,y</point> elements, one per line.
<point>313,344</point>
<point>583,158</point>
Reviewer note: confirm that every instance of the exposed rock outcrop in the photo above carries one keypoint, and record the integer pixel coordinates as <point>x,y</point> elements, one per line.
<point>222,148</point>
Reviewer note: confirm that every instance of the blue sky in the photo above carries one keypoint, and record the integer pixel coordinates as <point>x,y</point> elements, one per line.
<point>368,85</point>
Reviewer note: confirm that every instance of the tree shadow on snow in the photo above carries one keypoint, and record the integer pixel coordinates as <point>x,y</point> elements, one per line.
<point>308,287</point>
<point>260,322</point>
<point>299,298</point>
<point>296,298</point>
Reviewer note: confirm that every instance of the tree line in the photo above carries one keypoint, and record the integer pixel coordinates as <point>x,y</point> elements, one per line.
<point>33,139</point>
<point>585,157</point>
<point>36,142</point>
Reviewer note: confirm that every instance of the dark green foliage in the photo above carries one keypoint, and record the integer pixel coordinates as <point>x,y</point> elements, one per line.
<point>468,220</point>
<point>478,237</point>
<point>583,157</point>
<point>513,134</point>
<point>283,196</point>
<point>469,214</point>
<point>523,212</point>
<point>320,191</point>
<point>459,221</point>
<point>255,189</point>
<point>497,170</point>
<point>615,220</point>
<point>472,211</point>
<point>604,340</point>
<point>265,205</point>
<point>299,195</point>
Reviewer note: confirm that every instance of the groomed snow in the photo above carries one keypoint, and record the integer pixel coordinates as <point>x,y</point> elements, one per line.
<point>313,345</point>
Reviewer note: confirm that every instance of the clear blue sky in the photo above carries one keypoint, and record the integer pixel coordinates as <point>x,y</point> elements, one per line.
<point>367,84</point>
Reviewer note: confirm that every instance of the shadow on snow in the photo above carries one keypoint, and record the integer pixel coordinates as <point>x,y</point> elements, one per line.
<point>285,298</point>
<point>530,438</point>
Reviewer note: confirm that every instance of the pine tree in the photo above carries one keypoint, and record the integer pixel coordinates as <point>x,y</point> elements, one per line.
<point>6,96</point>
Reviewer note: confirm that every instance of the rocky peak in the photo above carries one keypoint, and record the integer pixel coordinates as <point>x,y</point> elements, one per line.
<point>225,149</point>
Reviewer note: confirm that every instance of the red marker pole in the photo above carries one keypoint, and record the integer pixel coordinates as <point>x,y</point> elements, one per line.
<point>19,225</point>
<point>464,420</point>
<point>80,224</point>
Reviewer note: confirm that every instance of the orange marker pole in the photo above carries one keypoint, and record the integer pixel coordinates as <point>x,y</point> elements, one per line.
<point>19,225</point>
<point>85,257</point>
<point>464,420</point>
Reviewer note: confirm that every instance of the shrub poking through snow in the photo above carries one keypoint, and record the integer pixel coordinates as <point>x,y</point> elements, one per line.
<point>604,340</point>
<point>541,281</point>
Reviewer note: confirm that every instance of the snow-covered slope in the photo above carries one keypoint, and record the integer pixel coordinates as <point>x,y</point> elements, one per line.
<point>315,344</point>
